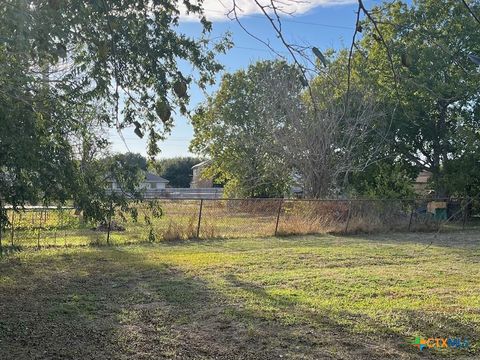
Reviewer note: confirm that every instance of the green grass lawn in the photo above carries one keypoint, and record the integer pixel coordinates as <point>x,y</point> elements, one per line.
<point>310,297</point>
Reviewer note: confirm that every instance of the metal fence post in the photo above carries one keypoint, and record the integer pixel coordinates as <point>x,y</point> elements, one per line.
<point>411,216</point>
<point>464,220</point>
<point>20,217</point>
<point>109,223</point>
<point>62,227</point>
<point>278,216</point>
<point>39,230</point>
<point>348,216</point>
<point>12,234</point>
<point>199,218</point>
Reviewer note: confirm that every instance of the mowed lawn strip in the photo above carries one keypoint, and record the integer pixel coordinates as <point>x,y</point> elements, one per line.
<point>313,297</point>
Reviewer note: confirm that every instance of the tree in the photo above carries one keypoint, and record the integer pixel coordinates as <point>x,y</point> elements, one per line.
<point>264,127</point>
<point>234,133</point>
<point>132,160</point>
<point>177,170</point>
<point>429,86</point>
<point>324,135</point>
<point>99,202</point>
<point>462,173</point>
<point>418,55</point>
<point>62,58</point>
<point>383,180</point>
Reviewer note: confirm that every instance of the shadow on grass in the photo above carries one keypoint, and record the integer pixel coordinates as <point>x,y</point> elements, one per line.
<point>327,329</point>
<point>111,303</point>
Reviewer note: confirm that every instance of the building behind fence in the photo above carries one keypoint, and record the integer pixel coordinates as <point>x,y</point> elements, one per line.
<point>230,218</point>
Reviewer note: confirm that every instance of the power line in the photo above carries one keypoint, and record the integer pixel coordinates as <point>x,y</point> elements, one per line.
<point>289,20</point>
<point>167,139</point>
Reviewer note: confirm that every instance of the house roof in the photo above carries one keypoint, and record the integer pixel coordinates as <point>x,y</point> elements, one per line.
<point>205,162</point>
<point>149,177</point>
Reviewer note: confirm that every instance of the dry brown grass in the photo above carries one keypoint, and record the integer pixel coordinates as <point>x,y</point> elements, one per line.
<point>296,225</point>
<point>229,219</point>
<point>177,230</point>
<point>208,230</point>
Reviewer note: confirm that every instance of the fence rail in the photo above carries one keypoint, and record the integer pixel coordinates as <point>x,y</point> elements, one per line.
<point>220,218</point>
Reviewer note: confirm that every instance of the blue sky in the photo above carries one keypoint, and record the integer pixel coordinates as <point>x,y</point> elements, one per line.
<point>323,26</point>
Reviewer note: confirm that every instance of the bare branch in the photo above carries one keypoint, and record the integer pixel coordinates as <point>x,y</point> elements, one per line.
<point>471,11</point>
<point>382,39</point>
<point>350,54</point>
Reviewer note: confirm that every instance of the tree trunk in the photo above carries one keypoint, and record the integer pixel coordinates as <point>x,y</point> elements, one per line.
<point>440,150</point>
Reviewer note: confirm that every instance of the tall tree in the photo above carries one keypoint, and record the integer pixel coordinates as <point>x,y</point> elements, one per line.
<point>264,128</point>
<point>417,55</point>
<point>323,133</point>
<point>60,57</point>
<point>234,133</point>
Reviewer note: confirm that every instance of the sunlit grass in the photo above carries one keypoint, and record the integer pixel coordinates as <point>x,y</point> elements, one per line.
<point>300,297</point>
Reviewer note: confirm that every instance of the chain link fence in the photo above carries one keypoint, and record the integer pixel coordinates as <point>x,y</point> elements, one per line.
<point>176,219</point>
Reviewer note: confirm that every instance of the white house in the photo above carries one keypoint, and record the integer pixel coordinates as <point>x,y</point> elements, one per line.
<point>154,182</point>
<point>153,185</point>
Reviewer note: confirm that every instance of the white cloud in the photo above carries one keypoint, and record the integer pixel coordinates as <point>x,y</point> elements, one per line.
<point>216,10</point>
